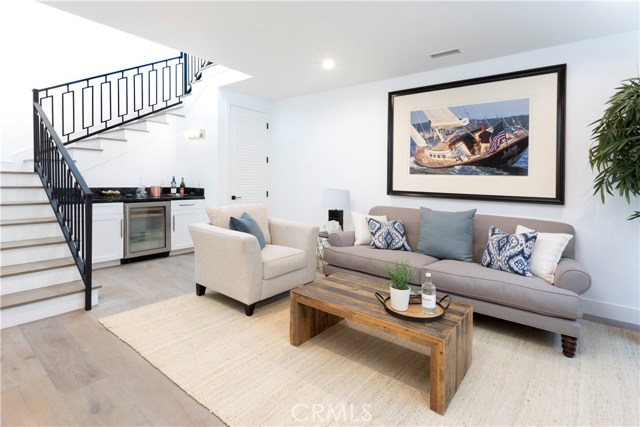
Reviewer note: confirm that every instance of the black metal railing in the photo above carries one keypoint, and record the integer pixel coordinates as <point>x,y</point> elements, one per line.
<point>86,107</point>
<point>74,111</point>
<point>68,193</point>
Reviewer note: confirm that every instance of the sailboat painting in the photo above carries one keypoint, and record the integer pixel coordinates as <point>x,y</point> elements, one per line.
<point>490,138</point>
<point>497,137</point>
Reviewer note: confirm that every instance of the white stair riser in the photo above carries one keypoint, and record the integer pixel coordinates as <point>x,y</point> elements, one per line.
<point>22,194</point>
<point>141,125</point>
<point>87,143</point>
<point>30,231</point>
<point>33,253</point>
<point>20,179</point>
<point>39,279</point>
<point>26,211</point>
<point>42,309</point>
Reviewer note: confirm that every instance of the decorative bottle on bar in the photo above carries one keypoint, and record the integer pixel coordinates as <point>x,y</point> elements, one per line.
<point>173,186</point>
<point>182,187</point>
<point>428,291</point>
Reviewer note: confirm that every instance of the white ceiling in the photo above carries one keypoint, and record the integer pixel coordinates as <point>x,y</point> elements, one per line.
<point>282,44</point>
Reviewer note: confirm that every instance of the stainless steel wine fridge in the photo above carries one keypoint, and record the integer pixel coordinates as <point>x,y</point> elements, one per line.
<point>147,229</point>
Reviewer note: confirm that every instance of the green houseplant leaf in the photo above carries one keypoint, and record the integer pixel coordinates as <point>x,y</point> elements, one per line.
<point>400,275</point>
<point>615,154</point>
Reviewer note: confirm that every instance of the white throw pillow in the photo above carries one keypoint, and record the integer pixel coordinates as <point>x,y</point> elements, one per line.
<point>361,227</point>
<point>546,253</point>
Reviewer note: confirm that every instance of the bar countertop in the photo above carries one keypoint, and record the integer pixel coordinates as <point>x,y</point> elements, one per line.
<point>128,195</point>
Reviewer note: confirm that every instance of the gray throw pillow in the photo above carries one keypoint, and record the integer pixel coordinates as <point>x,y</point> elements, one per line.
<point>446,235</point>
<point>247,224</point>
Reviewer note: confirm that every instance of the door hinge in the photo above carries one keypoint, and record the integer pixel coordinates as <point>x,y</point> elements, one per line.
<point>267,126</point>
<point>267,193</point>
<point>267,159</point>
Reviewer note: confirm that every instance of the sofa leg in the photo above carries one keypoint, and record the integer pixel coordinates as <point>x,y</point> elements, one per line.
<point>248,309</point>
<point>200,289</point>
<point>569,345</point>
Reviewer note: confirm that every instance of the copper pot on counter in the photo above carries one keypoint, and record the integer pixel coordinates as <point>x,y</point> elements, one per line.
<point>155,190</point>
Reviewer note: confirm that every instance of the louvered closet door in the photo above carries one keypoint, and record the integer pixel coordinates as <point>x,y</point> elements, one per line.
<point>248,140</point>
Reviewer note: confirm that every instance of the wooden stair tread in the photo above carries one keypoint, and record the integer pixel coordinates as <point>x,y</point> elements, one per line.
<point>19,187</point>
<point>33,267</point>
<point>26,202</point>
<point>23,221</point>
<point>28,243</point>
<point>42,294</point>
<point>19,172</point>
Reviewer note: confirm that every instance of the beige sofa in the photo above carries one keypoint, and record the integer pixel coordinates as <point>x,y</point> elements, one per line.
<point>232,263</point>
<point>526,300</point>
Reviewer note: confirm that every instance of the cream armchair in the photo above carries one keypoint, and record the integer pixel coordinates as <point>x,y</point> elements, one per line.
<point>232,263</point>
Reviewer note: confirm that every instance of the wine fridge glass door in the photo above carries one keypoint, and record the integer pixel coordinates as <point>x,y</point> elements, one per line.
<point>148,228</point>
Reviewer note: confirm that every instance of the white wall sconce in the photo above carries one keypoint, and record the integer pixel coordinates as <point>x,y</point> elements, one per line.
<point>194,134</point>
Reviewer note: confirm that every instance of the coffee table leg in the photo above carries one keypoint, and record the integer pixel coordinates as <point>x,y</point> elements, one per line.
<point>306,322</point>
<point>443,376</point>
<point>450,360</point>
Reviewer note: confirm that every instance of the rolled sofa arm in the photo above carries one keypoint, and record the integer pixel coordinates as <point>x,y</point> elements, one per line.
<point>342,238</point>
<point>216,249</point>
<point>572,276</point>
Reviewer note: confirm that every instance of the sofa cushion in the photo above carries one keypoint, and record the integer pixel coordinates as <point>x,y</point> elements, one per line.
<point>509,252</point>
<point>278,260</point>
<point>446,235</point>
<point>361,227</point>
<point>388,235</point>
<point>247,224</point>
<point>527,293</point>
<point>546,252</point>
<point>219,216</point>
<point>376,261</point>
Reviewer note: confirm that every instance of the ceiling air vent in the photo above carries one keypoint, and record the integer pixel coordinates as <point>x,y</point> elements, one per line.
<point>444,53</point>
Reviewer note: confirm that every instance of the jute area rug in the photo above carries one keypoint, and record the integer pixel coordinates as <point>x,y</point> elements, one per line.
<point>244,370</point>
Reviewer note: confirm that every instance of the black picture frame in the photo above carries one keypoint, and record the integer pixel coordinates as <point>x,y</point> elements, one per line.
<point>540,91</point>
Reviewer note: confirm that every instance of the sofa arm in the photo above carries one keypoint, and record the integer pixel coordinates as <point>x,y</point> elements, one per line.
<point>216,249</point>
<point>297,235</point>
<point>572,276</point>
<point>293,234</point>
<point>342,238</point>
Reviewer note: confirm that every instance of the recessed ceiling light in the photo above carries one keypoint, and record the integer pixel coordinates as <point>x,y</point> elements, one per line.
<point>328,64</point>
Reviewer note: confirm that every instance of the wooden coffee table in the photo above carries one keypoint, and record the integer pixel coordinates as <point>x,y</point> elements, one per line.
<point>325,302</point>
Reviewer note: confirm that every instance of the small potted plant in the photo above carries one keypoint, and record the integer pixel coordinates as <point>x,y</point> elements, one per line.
<point>400,275</point>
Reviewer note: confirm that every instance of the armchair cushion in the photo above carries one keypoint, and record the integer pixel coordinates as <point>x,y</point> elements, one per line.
<point>247,224</point>
<point>278,260</point>
<point>220,215</point>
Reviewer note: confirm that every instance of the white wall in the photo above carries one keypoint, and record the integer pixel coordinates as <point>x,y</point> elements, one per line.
<point>338,139</point>
<point>43,46</point>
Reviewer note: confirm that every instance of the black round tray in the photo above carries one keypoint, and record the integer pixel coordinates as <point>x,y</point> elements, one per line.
<point>415,314</point>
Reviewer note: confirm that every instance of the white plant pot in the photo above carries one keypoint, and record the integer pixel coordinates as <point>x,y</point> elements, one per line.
<point>400,299</point>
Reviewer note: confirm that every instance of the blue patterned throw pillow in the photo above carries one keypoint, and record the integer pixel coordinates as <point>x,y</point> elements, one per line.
<point>509,252</point>
<point>388,235</point>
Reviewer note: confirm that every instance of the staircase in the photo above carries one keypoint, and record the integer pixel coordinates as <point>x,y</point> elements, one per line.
<point>46,230</point>
<point>38,276</point>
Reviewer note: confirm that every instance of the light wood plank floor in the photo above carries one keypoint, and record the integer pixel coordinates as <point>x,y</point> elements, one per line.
<point>69,370</point>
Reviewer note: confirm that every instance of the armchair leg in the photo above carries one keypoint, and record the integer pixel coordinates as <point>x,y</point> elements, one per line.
<point>200,289</point>
<point>569,345</point>
<point>248,309</point>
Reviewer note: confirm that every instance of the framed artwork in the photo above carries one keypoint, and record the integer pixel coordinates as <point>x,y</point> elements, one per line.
<point>499,137</point>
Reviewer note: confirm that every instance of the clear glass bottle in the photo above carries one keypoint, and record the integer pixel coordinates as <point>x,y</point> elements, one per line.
<point>182,187</point>
<point>174,189</point>
<point>428,291</point>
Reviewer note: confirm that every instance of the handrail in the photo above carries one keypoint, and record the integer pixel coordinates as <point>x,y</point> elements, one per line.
<point>68,193</point>
<point>84,108</point>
